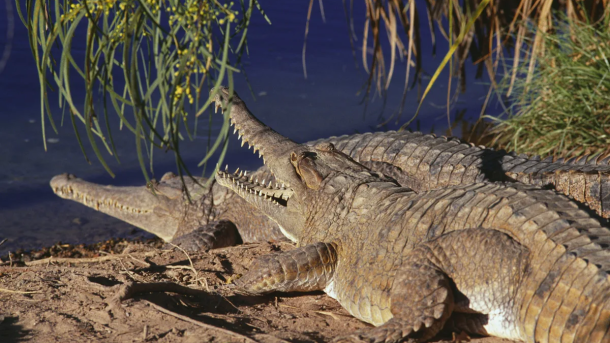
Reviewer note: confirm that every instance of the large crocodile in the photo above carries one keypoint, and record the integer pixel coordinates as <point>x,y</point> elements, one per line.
<point>503,259</point>
<point>418,161</point>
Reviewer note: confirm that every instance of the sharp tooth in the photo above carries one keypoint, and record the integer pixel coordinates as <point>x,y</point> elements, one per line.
<point>236,171</point>
<point>239,137</point>
<point>249,146</point>
<point>256,180</point>
<point>242,142</point>
<point>283,185</point>
<point>259,154</point>
<point>263,182</point>
<point>246,173</point>
<point>227,168</point>
<point>241,173</point>
<point>234,130</point>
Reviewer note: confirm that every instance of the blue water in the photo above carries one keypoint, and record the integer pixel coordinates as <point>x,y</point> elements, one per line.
<point>324,104</point>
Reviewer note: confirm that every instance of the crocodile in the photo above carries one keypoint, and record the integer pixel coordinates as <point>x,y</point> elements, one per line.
<point>427,162</point>
<point>419,161</point>
<point>183,213</point>
<point>502,259</point>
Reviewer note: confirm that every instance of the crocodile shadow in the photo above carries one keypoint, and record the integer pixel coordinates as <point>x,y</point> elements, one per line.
<point>11,332</point>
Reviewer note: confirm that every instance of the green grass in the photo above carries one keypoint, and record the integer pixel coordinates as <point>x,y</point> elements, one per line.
<point>564,107</point>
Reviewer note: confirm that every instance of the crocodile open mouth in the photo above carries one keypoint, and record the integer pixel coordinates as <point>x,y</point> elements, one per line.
<point>237,130</point>
<point>272,148</point>
<point>246,186</point>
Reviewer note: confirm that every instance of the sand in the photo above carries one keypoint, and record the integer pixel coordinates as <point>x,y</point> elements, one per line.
<point>74,297</point>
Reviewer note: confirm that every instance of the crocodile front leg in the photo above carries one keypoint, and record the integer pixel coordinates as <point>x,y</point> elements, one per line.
<point>422,300</point>
<point>474,273</point>
<point>214,235</point>
<point>308,268</point>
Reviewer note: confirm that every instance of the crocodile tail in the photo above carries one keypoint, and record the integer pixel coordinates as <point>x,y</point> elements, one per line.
<point>586,179</point>
<point>571,304</point>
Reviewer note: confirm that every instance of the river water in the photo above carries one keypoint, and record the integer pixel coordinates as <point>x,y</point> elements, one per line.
<point>325,103</point>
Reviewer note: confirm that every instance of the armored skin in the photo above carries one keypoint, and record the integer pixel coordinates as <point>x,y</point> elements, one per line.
<point>503,259</point>
<point>420,162</point>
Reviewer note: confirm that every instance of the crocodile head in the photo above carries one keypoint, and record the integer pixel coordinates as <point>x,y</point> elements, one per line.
<point>311,181</point>
<point>161,208</point>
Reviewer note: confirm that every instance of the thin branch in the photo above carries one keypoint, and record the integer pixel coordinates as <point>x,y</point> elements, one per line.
<point>200,324</point>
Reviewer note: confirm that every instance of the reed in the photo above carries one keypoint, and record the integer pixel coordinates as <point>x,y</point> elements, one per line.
<point>480,30</point>
<point>560,104</point>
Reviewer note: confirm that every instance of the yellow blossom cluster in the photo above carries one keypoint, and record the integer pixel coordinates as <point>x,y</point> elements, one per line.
<point>196,18</point>
<point>98,6</point>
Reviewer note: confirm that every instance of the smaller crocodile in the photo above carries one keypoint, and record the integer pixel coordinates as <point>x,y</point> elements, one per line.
<point>502,259</point>
<point>189,215</point>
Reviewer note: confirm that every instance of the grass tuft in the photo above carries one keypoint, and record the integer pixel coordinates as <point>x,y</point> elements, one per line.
<point>563,108</point>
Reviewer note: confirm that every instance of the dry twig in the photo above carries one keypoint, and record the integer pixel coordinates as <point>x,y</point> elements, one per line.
<point>200,324</point>
<point>4,290</point>
<point>80,260</point>
<point>202,281</point>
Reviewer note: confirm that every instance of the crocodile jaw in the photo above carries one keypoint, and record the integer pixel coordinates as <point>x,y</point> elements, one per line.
<point>280,203</point>
<point>272,147</point>
<point>135,205</point>
<point>272,200</point>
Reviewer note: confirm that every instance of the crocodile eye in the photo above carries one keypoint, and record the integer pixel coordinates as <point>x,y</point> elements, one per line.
<point>293,157</point>
<point>152,184</point>
<point>326,147</point>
